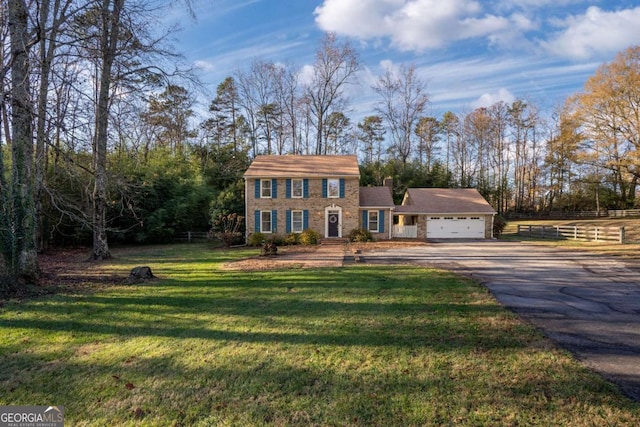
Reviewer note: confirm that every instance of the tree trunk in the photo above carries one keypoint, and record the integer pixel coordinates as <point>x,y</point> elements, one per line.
<point>23,264</point>
<point>108,47</point>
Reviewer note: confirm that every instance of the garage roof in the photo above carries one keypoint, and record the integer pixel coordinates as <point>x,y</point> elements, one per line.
<point>290,166</point>
<point>444,201</point>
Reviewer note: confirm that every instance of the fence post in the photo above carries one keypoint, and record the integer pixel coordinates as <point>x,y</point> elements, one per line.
<point>595,233</point>
<point>621,235</point>
<point>575,232</point>
<point>189,236</point>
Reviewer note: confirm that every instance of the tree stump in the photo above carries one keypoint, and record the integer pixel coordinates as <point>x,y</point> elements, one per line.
<point>139,275</point>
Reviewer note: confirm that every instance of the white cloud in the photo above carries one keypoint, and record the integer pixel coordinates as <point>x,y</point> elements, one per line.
<point>488,99</point>
<point>409,24</point>
<point>305,76</point>
<point>595,33</point>
<point>205,66</point>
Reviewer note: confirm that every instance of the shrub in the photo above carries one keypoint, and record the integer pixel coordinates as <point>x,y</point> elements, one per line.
<point>227,228</point>
<point>309,237</point>
<point>292,239</point>
<point>359,235</point>
<point>499,223</point>
<point>277,239</point>
<point>256,239</point>
<point>269,249</point>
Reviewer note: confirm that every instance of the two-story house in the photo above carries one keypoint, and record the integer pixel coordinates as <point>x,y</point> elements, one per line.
<point>287,194</point>
<point>291,193</point>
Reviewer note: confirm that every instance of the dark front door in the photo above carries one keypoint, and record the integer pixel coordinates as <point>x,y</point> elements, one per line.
<point>333,222</point>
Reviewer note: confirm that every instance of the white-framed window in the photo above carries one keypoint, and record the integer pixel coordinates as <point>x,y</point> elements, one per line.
<point>265,189</point>
<point>297,188</point>
<point>373,222</point>
<point>265,221</point>
<point>333,188</point>
<point>297,221</point>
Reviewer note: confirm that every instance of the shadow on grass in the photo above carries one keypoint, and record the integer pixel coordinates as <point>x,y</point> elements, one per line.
<point>258,388</point>
<point>355,346</point>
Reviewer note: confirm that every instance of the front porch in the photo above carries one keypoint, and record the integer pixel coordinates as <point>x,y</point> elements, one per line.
<point>404,232</point>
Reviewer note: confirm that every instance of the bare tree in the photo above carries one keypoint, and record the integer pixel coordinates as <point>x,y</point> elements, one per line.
<point>450,124</point>
<point>403,100</point>
<point>335,66</point>
<point>371,134</point>
<point>428,132</point>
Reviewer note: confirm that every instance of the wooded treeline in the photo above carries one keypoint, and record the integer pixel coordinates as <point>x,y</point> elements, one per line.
<point>101,138</point>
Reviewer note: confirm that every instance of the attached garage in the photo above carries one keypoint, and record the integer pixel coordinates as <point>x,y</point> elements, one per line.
<point>455,227</point>
<point>446,213</point>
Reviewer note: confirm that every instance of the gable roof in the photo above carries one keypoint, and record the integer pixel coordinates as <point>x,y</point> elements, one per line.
<point>376,197</point>
<point>445,201</point>
<point>291,166</point>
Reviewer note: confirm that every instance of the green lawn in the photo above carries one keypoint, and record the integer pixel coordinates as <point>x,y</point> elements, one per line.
<point>361,346</point>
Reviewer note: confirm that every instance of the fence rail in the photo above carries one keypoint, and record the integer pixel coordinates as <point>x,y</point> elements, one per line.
<point>192,236</point>
<point>625,213</point>
<point>557,215</point>
<point>608,234</point>
<point>611,213</point>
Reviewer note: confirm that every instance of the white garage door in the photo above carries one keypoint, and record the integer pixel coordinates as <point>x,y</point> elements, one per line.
<point>455,227</point>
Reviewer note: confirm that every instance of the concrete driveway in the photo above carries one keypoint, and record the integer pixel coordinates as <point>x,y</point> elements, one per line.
<point>588,304</point>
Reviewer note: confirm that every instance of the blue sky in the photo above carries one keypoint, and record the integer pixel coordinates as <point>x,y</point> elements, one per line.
<point>471,53</point>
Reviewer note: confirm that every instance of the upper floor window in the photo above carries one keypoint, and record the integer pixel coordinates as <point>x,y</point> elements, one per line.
<point>297,188</point>
<point>333,188</point>
<point>265,188</point>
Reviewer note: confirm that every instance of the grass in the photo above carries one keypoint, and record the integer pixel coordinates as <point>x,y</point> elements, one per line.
<point>358,346</point>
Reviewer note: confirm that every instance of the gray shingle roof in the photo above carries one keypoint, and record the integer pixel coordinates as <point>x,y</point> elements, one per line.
<point>445,201</point>
<point>378,197</point>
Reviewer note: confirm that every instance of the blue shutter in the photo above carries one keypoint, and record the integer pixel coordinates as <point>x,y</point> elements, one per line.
<point>381,222</point>
<point>274,188</point>
<point>257,226</point>
<point>274,221</point>
<point>342,184</point>
<point>288,219</point>
<point>305,188</point>
<point>257,188</point>
<point>305,219</point>
<point>365,220</point>
<point>324,188</point>
<point>288,188</point>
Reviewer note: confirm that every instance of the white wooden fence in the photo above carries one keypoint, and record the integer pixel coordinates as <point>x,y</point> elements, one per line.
<point>610,234</point>
<point>624,213</point>
<point>192,236</point>
<point>405,231</point>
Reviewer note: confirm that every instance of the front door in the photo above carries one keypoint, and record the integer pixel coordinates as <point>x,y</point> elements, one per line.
<point>333,224</point>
